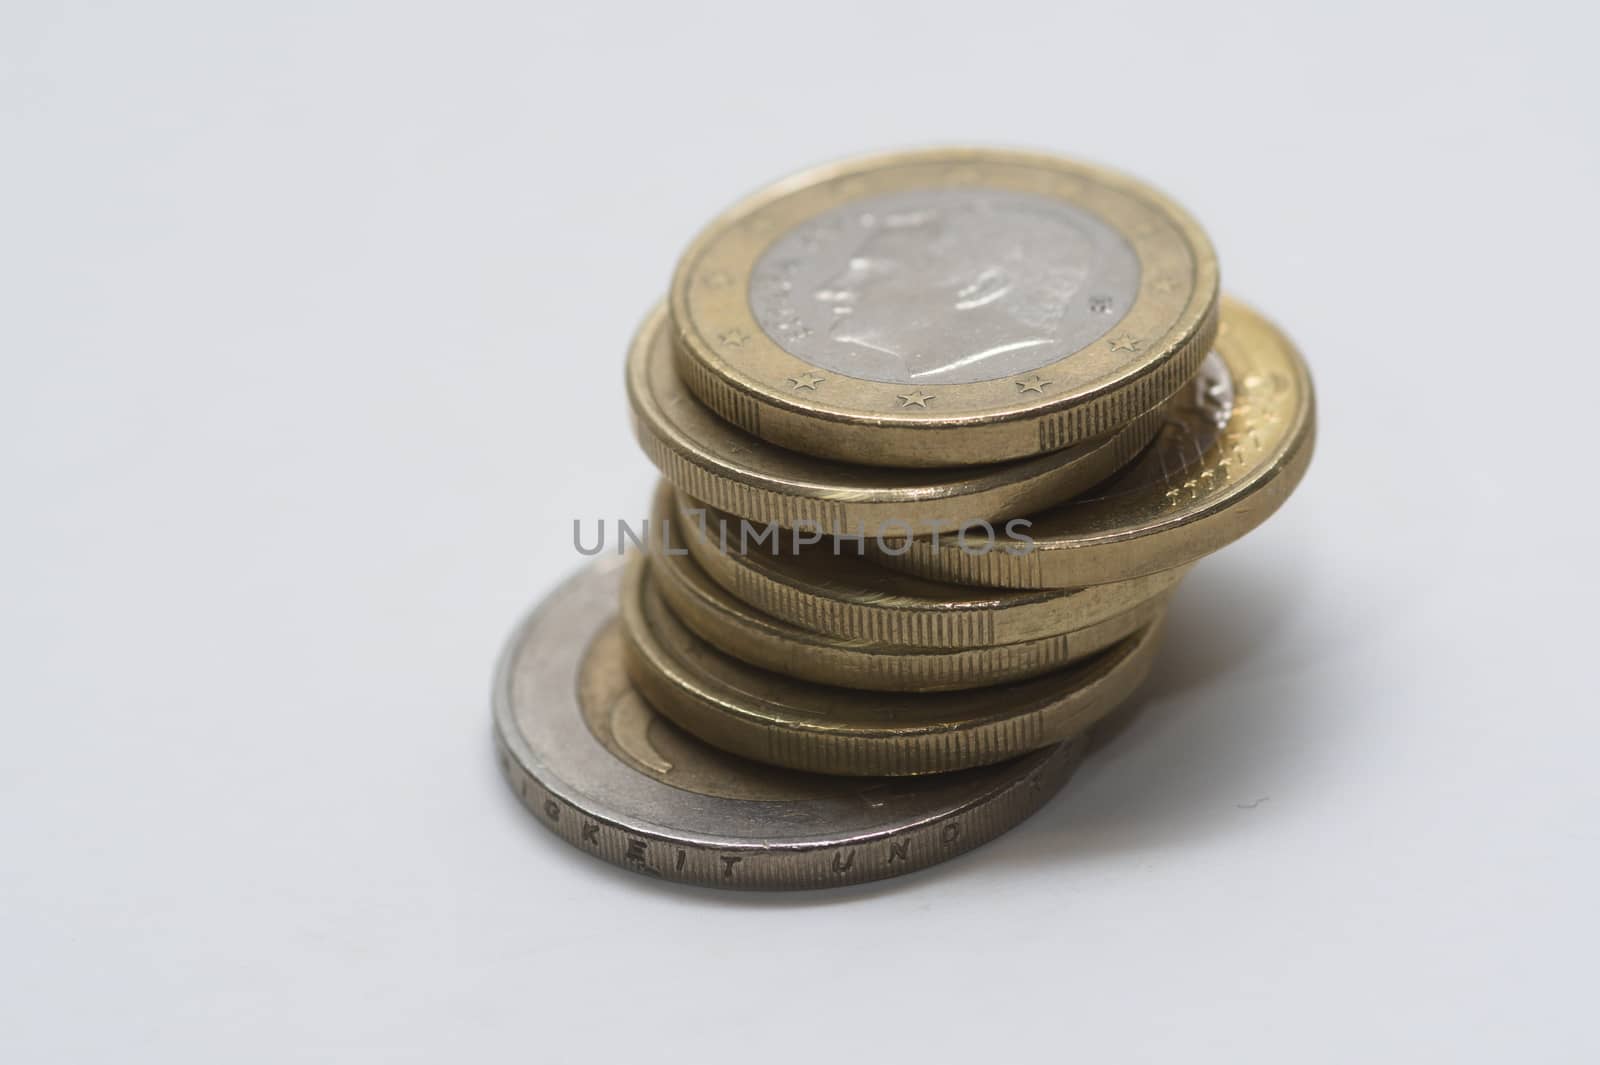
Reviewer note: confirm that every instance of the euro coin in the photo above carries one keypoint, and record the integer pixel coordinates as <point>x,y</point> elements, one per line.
<point>782,721</point>
<point>826,586</point>
<point>595,765</point>
<point>1225,461</point>
<point>944,308</point>
<point>715,461</point>
<point>733,627</point>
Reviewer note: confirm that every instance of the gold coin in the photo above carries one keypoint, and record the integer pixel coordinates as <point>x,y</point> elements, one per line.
<point>733,627</point>
<point>1224,462</point>
<point>716,462</point>
<point>944,308</point>
<point>798,725</point>
<point>827,587</point>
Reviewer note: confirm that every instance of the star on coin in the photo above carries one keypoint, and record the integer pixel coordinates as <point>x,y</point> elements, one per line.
<point>716,279</point>
<point>918,398</point>
<point>806,380</point>
<point>1032,384</point>
<point>735,338</point>
<point>1125,342</point>
<point>1166,286</point>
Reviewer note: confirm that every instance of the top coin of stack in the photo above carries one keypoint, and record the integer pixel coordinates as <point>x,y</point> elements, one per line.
<point>944,308</point>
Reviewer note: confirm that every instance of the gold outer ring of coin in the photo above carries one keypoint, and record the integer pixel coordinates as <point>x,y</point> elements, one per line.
<point>752,381</point>
<point>714,461</point>
<point>731,626</point>
<point>1137,523</point>
<point>786,722</point>
<point>852,598</point>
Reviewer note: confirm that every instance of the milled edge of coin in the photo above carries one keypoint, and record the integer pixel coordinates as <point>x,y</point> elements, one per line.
<point>756,479</point>
<point>944,616</point>
<point>734,628</point>
<point>1002,797</point>
<point>909,437</point>
<point>982,726</point>
<point>1188,529</point>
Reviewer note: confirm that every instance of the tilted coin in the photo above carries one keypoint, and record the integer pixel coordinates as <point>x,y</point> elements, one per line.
<point>828,587</point>
<point>782,721</point>
<point>599,768</point>
<point>733,627</point>
<point>713,460</point>
<point>1222,465</point>
<point>944,307</point>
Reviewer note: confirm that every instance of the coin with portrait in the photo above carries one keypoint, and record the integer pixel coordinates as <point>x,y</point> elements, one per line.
<point>944,308</point>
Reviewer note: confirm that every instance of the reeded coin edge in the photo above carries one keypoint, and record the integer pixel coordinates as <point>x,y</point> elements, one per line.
<point>1002,430</point>
<point>1016,487</point>
<point>902,621</point>
<point>737,629</point>
<point>971,440</point>
<point>724,719</point>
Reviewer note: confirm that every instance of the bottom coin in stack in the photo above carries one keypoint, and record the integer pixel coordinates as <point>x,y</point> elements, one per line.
<point>598,767</point>
<point>784,721</point>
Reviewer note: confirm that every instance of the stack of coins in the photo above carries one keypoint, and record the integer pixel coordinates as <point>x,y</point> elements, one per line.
<point>940,433</point>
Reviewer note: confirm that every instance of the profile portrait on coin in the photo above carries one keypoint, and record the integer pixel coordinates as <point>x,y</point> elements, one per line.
<point>945,287</point>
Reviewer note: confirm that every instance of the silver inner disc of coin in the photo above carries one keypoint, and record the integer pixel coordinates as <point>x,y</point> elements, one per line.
<point>944,285</point>
<point>548,737</point>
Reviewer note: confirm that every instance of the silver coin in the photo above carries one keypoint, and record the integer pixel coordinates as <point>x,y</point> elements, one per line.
<point>598,767</point>
<point>951,285</point>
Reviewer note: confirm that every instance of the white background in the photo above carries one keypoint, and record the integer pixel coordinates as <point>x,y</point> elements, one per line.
<point>312,318</point>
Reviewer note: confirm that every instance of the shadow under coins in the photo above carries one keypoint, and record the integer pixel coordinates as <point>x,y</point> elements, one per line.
<point>1194,751</point>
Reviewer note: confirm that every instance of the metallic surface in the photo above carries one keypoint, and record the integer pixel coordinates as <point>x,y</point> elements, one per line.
<point>735,628</point>
<point>714,461</point>
<point>943,285</point>
<point>782,721</point>
<point>1228,457</point>
<point>988,328</point>
<point>596,766</point>
<point>828,588</point>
